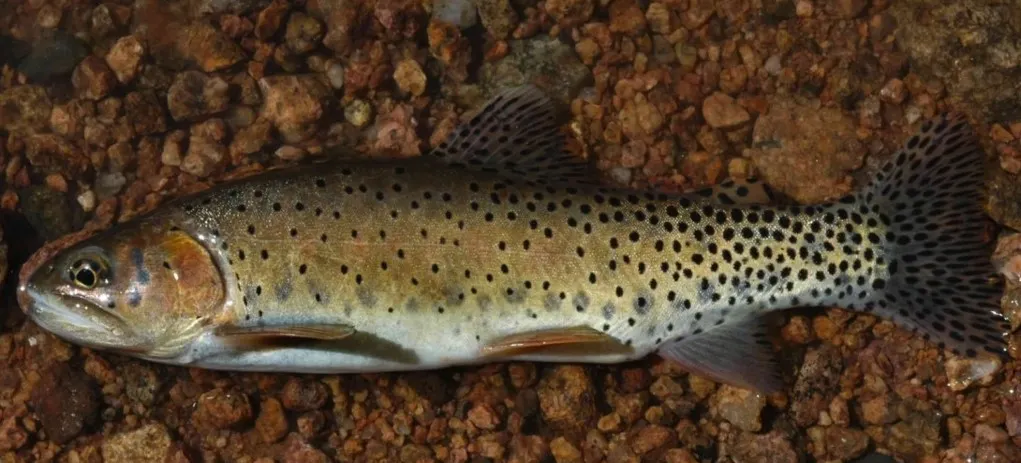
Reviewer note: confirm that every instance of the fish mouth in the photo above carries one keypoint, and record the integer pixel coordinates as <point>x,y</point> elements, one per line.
<point>80,322</point>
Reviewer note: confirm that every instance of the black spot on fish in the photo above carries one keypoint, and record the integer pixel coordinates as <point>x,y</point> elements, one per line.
<point>581,302</point>
<point>643,303</point>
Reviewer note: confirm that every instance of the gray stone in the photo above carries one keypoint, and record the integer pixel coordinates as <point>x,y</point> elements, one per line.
<point>973,46</point>
<point>461,13</point>
<point>543,61</point>
<point>52,56</point>
<point>49,212</point>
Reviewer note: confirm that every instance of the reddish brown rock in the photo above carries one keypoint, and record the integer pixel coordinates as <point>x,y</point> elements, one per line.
<point>722,111</point>
<point>818,382</point>
<point>483,417</point>
<point>772,447</point>
<point>93,79</point>
<point>651,442</point>
<point>741,407</point>
<point>271,423</point>
<point>303,33</point>
<point>846,443</point>
<point>145,113</point>
<point>194,95</point>
<point>294,104</point>
<point>564,451</point>
<point>149,443</point>
<point>567,399</point>
<point>570,12</point>
<point>125,58</point>
<point>806,151</point>
<point>55,154</point>
<point>69,119</point>
<point>66,402</point>
<point>498,17</point>
<point>303,395</point>
<point>626,17</point>
<point>221,409</point>
<point>268,22</point>
<point>24,108</point>
<point>208,47</point>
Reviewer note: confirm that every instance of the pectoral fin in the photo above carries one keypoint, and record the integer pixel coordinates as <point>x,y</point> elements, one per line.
<point>582,340</point>
<point>739,354</point>
<point>316,332</point>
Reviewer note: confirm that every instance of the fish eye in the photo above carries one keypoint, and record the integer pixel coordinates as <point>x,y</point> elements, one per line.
<point>87,273</point>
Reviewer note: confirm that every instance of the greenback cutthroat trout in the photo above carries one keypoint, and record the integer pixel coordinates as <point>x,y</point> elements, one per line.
<point>499,245</point>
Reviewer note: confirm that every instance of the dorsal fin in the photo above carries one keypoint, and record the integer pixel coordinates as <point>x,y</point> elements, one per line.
<point>516,134</point>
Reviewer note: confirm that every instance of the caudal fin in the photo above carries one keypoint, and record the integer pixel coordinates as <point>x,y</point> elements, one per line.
<point>941,282</point>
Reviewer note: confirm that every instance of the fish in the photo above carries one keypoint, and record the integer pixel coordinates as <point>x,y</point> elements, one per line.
<point>502,244</point>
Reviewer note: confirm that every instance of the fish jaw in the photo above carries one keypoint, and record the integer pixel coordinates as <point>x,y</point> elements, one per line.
<point>76,321</point>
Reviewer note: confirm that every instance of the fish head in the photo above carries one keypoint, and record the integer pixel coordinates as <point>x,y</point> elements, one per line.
<point>146,289</point>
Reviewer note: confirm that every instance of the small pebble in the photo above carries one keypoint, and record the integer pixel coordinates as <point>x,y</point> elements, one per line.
<point>358,113</point>
<point>409,77</point>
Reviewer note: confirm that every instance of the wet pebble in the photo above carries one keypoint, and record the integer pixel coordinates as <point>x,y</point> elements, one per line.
<point>963,372</point>
<point>564,451</point>
<point>567,399</point>
<point>24,108</point>
<point>125,58</point>
<point>208,47</point>
<point>722,111</point>
<point>54,55</point>
<point>271,423</point>
<point>540,58</point>
<point>294,104</point>
<point>151,442</point>
<point>47,211</point>
<point>194,95</point>
<point>303,33</point>
<point>483,417</point>
<point>303,395</point>
<point>741,407</point>
<point>221,409</point>
<point>143,111</point>
<point>460,13</point>
<point>497,16</point>
<point>66,401</point>
<point>846,443</point>
<point>817,383</point>
<point>652,441</point>
<point>570,12</point>
<point>410,77</point>
<point>358,112</point>
<point>93,79</point>
<point>771,447</point>
<point>806,151</point>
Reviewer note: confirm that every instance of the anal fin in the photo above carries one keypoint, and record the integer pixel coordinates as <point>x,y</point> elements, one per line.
<point>739,354</point>
<point>582,340</point>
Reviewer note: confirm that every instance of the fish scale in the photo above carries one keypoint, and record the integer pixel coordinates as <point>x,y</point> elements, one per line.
<point>500,246</point>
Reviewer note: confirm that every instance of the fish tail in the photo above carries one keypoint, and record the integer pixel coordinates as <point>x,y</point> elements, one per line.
<point>938,279</point>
